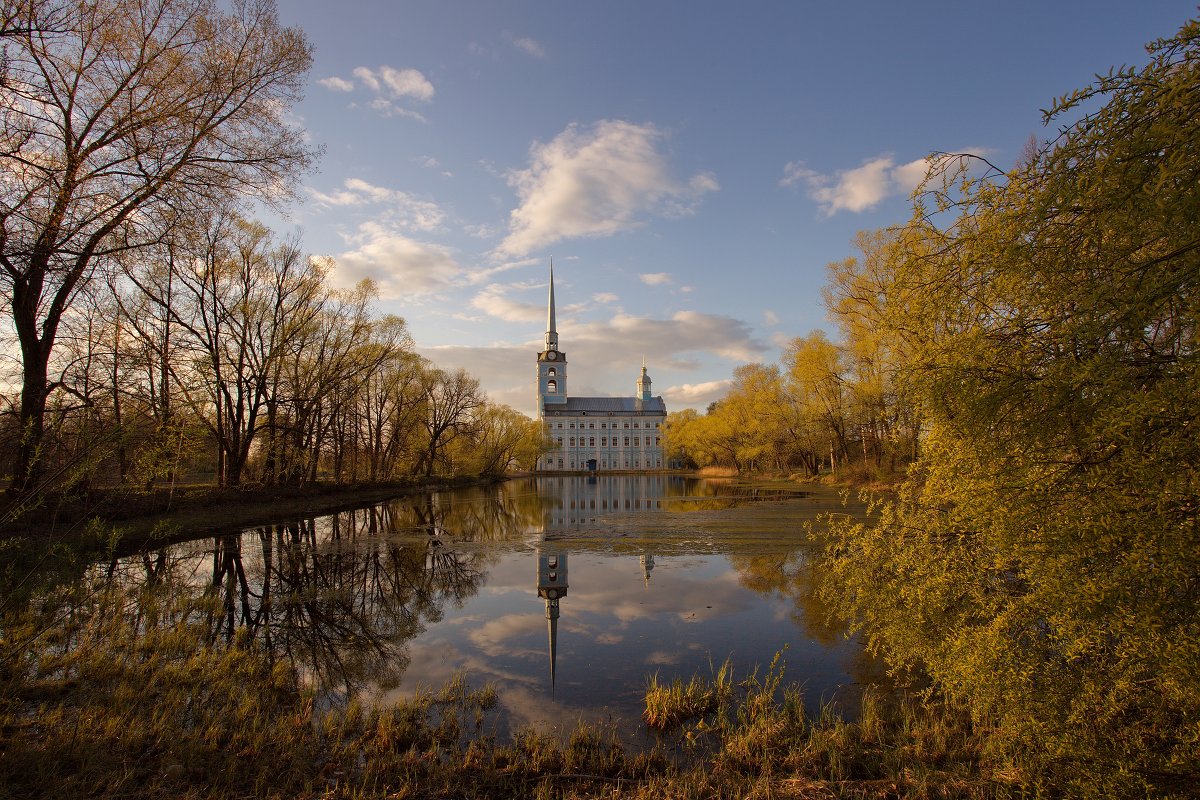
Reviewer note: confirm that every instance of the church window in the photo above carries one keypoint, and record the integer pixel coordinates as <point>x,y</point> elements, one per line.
<point>591,424</point>
<point>626,424</point>
<point>552,387</point>
<point>558,441</point>
<point>604,441</point>
<point>572,441</point>
<point>560,463</point>
<point>636,441</point>
<point>591,441</point>
<point>627,444</point>
<point>572,426</point>
<point>656,440</point>
<point>552,372</point>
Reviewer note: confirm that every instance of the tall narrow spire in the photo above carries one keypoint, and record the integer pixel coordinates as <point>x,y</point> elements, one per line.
<point>552,627</point>
<point>551,331</point>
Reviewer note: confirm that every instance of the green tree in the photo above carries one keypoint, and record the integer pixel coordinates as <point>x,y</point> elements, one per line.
<point>816,389</point>
<point>1043,559</point>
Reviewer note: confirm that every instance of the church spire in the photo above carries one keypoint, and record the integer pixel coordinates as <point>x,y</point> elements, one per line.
<point>551,331</point>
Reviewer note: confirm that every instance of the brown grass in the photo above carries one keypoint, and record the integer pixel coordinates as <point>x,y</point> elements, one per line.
<point>112,693</point>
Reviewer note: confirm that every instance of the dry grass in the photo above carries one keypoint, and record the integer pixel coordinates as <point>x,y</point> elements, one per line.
<point>114,694</point>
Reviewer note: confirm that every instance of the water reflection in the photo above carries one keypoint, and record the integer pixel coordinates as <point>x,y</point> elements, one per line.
<point>403,595</point>
<point>575,501</point>
<point>552,587</point>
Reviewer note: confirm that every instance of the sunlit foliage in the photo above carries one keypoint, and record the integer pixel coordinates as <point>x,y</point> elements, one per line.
<point>1043,559</point>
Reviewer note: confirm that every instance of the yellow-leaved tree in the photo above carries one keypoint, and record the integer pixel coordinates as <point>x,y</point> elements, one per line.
<point>1042,562</point>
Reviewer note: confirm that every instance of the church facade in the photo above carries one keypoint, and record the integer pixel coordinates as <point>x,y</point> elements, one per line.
<point>595,434</point>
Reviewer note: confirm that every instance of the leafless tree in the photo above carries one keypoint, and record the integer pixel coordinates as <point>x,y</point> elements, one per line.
<point>115,117</point>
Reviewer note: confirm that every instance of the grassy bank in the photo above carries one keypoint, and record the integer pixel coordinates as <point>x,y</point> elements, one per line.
<point>117,694</point>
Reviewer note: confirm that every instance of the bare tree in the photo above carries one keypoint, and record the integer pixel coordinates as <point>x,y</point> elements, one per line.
<point>451,399</point>
<point>114,114</point>
<point>247,302</point>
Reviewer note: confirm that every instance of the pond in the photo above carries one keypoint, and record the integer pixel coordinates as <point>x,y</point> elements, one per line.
<point>565,593</point>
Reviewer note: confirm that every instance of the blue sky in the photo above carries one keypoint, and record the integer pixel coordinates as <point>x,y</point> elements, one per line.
<point>691,166</point>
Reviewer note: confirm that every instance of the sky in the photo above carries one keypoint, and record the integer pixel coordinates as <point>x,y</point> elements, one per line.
<point>691,167</point>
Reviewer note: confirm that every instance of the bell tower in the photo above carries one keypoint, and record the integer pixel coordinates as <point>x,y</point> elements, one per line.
<point>643,384</point>
<point>551,362</point>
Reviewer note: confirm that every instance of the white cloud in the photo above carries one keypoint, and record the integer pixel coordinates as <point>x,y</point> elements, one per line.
<point>388,108</point>
<point>596,181</point>
<point>480,275</point>
<point>770,317</point>
<point>529,46</point>
<point>399,265</point>
<point>696,394</point>
<point>495,302</point>
<point>909,176</point>
<point>858,189</point>
<point>396,83</point>
<point>605,298</point>
<point>401,209</point>
<point>480,231</point>
<point>337,84</point>
<point>390,86</point>
<point>655,278</point>
<point>503,369</point>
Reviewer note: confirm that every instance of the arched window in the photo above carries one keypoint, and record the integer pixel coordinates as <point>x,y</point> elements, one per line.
<point>552,372</point>
<point>552,387</point>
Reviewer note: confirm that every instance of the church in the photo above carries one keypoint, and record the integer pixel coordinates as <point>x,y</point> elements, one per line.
<point>595,434</point>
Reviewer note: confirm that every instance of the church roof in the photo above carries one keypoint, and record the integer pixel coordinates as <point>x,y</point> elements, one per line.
<point>603,405</point>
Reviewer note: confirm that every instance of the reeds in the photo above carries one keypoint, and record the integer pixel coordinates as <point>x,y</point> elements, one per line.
<point>668,706</point>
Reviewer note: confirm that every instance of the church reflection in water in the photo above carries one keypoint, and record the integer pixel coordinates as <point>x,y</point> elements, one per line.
<point>552,587</point>
<point>575,504</point>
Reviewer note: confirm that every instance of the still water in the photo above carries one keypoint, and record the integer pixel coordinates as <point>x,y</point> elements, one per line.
<point>565,593</point>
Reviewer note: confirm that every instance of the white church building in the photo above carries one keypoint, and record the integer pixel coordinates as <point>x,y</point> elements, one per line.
<point>595,434</point>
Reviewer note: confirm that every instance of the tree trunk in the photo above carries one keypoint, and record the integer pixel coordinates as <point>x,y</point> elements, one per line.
<point>28,468</point>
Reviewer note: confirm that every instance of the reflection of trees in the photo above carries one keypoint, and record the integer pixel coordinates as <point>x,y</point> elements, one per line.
<point>792,575</point>
<point>341,607</point>
<point>341,596</point>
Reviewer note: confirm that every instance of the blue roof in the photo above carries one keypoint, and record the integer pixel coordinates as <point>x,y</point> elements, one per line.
<point>605,405</point>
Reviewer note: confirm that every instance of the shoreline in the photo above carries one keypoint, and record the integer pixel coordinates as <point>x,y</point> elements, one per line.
<point>129,518</point>
<point>140,517</point>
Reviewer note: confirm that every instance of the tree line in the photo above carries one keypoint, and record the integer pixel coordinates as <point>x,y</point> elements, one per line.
<point>157,330</point>
<point>828,406</point>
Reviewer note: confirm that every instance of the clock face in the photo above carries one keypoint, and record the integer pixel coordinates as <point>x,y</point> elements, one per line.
<point>552,355</point>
